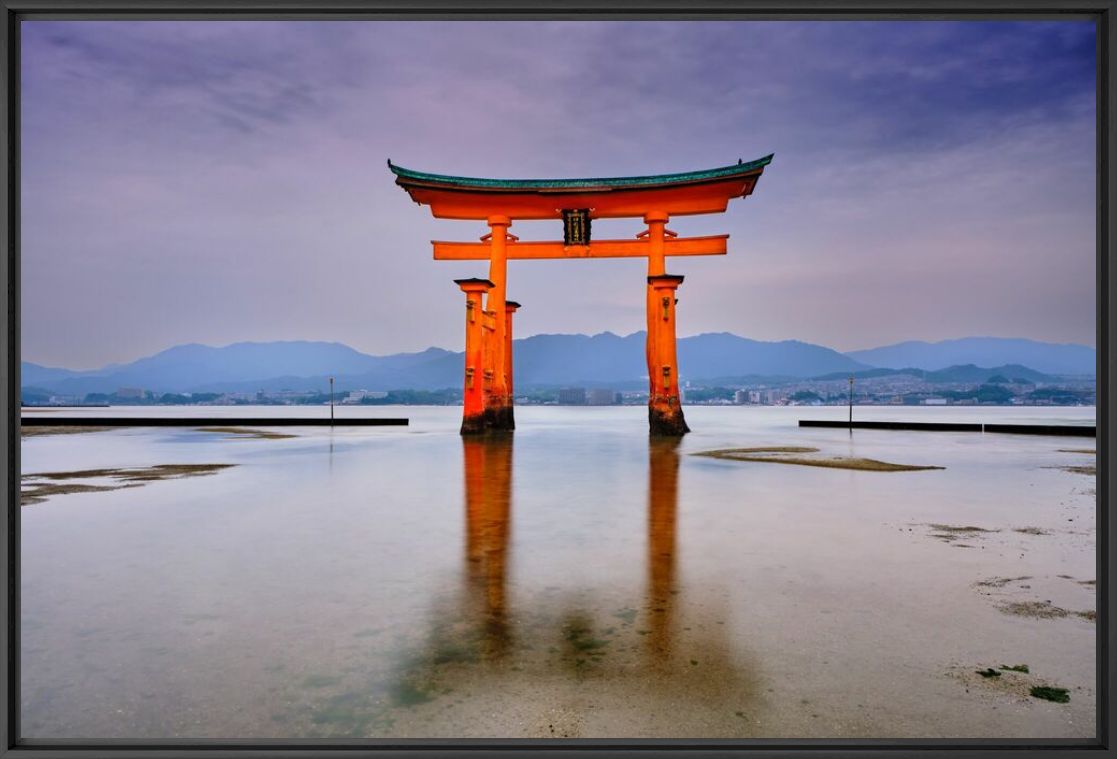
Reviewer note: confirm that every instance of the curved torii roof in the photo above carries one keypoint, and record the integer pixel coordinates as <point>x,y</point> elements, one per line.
<point>692,192</point>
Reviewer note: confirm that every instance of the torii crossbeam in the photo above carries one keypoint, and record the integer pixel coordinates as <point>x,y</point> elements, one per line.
<point>655,199</point>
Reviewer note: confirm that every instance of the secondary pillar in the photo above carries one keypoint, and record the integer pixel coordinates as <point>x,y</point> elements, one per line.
<point>665,412</point>
<point>473,393</point>
<point>510,307</point>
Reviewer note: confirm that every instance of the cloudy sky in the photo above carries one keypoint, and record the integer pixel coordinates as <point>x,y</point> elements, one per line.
<point>219,181</point>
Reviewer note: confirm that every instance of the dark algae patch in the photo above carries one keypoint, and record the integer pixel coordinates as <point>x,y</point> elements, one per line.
<point>60,429</point>
<point>1011,680</point>
<point>1034,609</point>
<point>1047,693</point>
<point>455,653</point>
<point>801,456</point>
<point>1088,470</point>
<point>628,616</point>
<point>1000,582</point>
<point>579,635</point>
<point>948,533</point>
<point>409,693</point>
<point>38,493</point>
<point>40,486</point>
<point>247,432</point>
<point>957,530</point>
<point>770,449</point>
<point>134,474</point>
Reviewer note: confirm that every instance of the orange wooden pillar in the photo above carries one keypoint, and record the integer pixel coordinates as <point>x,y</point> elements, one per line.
<point>498,413</point>
<point>510,307</point>
<point>665,412</point>
<point>657,225</point>
<point>473,394</point>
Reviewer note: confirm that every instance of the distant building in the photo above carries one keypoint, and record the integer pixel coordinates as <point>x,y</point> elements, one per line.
<point>356,396</point>
<point>130,392</point>
<point>934,401</point>
<point>600,397</point>
<point>741,396</point>
<point>572,396</point>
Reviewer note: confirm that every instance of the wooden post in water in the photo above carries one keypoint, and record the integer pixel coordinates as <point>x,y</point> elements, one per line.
<point>851,404</point>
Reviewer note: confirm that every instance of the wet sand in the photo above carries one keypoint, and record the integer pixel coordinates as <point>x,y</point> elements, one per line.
<point>358,585</point>
<point>780,455</point>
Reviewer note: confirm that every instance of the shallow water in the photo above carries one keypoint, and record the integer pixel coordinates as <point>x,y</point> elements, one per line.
<point>572,581</point>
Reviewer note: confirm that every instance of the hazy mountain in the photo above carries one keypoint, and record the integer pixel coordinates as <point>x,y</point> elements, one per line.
<point>603,359</point>
<point>541,359</point>
<point>1051,358</point>
<point>961,373</point>
<point>33,374</point>
<point>721,354</point>
<point>240,366</point>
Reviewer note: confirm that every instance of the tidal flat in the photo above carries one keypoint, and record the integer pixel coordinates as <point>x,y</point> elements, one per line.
<point>572,580</point>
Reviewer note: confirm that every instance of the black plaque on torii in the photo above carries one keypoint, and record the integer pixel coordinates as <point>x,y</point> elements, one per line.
<point>576,226</point>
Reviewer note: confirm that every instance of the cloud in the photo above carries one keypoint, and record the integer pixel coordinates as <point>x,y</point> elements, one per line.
<point>225,180</point>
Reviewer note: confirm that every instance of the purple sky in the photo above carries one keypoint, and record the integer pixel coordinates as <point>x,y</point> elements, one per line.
<point>222,181</point>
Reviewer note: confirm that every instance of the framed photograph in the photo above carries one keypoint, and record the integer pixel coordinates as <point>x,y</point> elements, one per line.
<point>415,379</point>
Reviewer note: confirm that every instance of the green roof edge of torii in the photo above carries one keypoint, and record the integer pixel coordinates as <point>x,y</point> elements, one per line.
<point>651,180</point>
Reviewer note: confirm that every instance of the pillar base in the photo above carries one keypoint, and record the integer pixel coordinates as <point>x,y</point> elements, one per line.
<point>502,418</point>
<point>499,419</point>
<point>667,422</point>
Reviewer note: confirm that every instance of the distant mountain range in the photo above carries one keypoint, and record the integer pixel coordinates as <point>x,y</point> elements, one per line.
<point>1051,358</point>
<point>604,359</point>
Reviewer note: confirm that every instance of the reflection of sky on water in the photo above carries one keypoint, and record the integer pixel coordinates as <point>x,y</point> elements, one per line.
<point>573,580</point>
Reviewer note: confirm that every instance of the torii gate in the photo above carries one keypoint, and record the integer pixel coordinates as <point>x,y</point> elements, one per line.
<point>497,202</point>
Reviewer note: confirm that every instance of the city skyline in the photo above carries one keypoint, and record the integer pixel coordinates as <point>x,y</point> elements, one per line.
<point>221,181</point>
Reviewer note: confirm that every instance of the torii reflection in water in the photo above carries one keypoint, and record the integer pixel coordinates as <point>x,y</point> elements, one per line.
<point>488,512</point>
<point>488,517</point>
<point>642,662</point>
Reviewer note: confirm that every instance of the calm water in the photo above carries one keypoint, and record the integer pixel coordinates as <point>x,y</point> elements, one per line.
<point>573,581</point>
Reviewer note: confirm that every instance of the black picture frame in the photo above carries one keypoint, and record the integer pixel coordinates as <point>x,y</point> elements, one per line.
<point>1102,11</point>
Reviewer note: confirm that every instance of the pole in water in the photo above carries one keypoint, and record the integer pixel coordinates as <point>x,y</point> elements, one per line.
<point>331,401</point>
<point>851,404</point>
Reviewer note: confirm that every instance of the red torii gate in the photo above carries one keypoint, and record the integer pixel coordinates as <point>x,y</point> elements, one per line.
<point>497,202</point>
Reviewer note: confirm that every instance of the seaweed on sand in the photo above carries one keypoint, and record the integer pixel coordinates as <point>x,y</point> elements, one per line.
<point>800,456</point>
